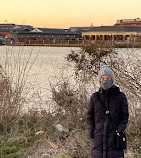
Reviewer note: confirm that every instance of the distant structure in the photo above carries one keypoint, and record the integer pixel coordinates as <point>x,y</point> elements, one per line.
<point>81,29</point>
<point>125,30</point>
<point>46,36</point>
<point>92,25</point>
<point>26,34</point>
<point>113,33</point>
<point>128,22</point>
<point>6,29</point>
<point>7,24</point>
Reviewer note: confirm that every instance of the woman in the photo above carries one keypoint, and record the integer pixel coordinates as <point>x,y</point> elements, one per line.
<point>101,128</point>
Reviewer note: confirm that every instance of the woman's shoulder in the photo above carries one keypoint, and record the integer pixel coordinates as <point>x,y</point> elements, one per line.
<point>122,94</point>
<point>94,95</point>
<point>116,90</point>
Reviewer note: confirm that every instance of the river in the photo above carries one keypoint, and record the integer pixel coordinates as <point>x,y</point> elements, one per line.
<point>45,64</point>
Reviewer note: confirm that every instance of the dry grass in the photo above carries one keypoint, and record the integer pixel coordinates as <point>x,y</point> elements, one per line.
<point>75,145</point>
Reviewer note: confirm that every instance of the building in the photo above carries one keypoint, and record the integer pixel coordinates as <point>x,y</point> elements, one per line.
<point>123,30</point>
<point>44,36</point>
<point>47,33</point>
<point>26,34</point>
<point>128,22</point>
<point>6,29</point>
<point>79,30</point>
<point>4,40</point>
<point>113,33</point>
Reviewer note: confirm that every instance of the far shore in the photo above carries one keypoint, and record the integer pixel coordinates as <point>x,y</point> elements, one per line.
<point>123,45</point>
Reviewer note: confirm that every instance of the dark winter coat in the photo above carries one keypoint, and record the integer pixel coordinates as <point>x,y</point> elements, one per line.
<point>101,130</point>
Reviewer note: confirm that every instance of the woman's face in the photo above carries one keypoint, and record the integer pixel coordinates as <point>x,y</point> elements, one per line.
<point>105,77</point>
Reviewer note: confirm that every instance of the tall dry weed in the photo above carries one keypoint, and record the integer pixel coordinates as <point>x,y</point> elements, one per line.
<point>14,72</point>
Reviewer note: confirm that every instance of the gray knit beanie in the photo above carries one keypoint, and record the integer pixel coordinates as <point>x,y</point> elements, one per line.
<point>105,70</point>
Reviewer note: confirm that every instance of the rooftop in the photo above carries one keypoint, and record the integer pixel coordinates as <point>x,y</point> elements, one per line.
<point>115,28</point>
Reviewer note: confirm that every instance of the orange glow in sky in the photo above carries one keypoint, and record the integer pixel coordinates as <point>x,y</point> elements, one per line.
<point>68,13</point>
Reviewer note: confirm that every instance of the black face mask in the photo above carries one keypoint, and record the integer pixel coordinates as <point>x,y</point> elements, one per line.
<point>106,84</point>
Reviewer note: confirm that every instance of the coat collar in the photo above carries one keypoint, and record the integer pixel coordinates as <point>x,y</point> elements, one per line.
<point>113,89</point>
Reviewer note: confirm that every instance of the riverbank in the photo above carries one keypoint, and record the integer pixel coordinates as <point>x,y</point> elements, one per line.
<point>49,45</point>
<point>81,44</point>
<point>19,133</point>
<point>20,139</point>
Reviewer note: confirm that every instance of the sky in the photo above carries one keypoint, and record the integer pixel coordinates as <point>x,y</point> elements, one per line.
<point>68,13</point>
